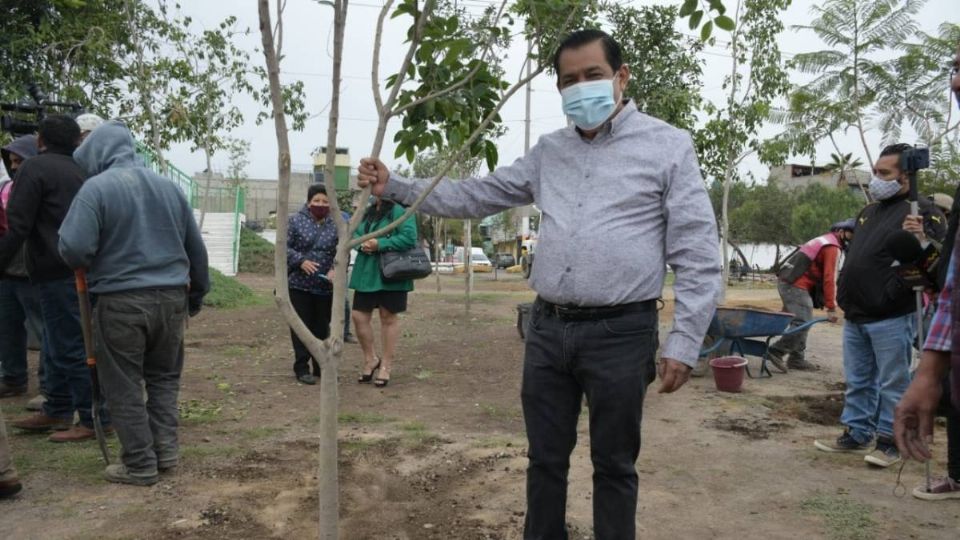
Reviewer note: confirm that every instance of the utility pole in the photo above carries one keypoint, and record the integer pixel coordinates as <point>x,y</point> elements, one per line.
<point>526,120</point>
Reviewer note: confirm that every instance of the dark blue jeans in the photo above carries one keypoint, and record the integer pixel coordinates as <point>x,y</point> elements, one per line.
<point>67,375</point>
<point>611,361</point>
<point>19,310</point>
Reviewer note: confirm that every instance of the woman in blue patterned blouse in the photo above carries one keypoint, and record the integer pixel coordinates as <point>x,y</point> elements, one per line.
<point>311,248</point>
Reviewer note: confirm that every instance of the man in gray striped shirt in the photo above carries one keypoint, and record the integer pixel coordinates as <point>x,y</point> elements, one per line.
<point>621,198</point>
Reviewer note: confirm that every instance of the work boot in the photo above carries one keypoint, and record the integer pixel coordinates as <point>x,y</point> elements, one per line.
<point>9,488</point>
<point>10,390</point>
<point>307,378</point>
<point>78,433</point>
<point>777,359</point>
<point>36,404</point>
<point>42,422</point>
<point>801,364</point>
<point>119,474</point>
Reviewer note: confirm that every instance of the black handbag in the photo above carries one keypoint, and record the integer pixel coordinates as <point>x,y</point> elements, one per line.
<point>405,265</point>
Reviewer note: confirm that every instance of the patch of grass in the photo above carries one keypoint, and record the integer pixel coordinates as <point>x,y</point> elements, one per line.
<point>845,519</point>
<point>228,293</point>
<point>199,411</point>
<point>477,298</point>
<point>262,432</point>
<point>359,446</point>
<point>499,413</point>
<point>496,442</point>
<point>77,461</point>
<point>256,254</point>
<point>360,418</point>
<point>236,351</point>
<point>423,374</point>
<point>413,428</point>
<point>415,435</point>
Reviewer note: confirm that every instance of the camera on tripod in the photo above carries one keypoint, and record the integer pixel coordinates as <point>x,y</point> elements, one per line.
<point>24,117</point>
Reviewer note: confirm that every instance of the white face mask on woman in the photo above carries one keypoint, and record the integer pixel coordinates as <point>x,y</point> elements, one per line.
<point>882,190</point>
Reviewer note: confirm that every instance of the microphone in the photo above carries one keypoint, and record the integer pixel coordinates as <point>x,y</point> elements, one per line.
<point>904,247</point>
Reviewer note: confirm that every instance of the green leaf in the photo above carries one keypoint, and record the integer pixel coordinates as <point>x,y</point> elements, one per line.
<point>695,19</point>
<point>706,31</point>
<point>688,7</point>
<point>492,155</point>
<point>725,23</point>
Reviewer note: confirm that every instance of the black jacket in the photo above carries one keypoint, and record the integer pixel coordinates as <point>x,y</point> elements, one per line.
<point>42,192</point>
<point>869,289</point>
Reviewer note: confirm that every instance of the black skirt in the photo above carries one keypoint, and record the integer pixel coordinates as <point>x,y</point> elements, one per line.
<point>392,301</point>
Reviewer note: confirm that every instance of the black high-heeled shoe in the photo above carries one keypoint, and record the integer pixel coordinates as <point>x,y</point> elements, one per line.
<point>365,378</point>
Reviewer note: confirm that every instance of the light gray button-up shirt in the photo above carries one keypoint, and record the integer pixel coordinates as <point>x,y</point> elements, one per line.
<point>615,211</point>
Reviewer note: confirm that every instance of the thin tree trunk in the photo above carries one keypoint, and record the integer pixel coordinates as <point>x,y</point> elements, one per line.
<point>145,97</point>
<point>436,246</point>
<point>468,260</point>
<point>205,201</point>
<point>729,170</point>
<point>327,474</point>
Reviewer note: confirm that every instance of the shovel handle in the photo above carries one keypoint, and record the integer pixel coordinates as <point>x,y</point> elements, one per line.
<point>86,316</point>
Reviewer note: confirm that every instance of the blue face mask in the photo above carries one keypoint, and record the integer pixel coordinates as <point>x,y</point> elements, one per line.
<point>589,104</point>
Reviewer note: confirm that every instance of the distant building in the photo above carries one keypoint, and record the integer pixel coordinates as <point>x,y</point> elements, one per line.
<point>261,193</point>
<point>794,176</point>
<point>343,180</point>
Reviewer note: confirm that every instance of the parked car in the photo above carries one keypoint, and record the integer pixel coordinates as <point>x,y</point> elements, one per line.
<point>504,260</point>
<point>480,263</point>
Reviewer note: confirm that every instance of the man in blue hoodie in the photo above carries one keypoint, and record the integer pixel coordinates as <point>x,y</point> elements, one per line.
<point>135,234</point>
<point>19,304</point>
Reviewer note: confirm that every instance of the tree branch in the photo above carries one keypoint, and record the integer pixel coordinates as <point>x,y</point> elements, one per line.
<point>283,188</point>
<point>377,47</point>
<point>462,82</point>
<point>455,158</point>
<point>414,43</point>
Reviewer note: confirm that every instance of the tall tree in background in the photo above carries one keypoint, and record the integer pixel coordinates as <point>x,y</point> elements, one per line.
<point>72,50</point>
<point>855,32</point>
<point>203,109</point>
<point>665,71</point>
<point>732,132</point>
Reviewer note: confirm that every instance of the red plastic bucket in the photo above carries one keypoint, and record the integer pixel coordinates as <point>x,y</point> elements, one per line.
<point>728,372</point>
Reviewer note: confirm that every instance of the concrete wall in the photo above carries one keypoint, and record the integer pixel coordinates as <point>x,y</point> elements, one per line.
<point>261,197</point>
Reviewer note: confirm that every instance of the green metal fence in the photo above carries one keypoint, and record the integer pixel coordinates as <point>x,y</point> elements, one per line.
<point>215,200</point>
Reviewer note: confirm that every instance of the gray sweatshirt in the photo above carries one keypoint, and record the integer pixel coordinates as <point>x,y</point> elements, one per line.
<point>616,210</point>
<point>129,227</point>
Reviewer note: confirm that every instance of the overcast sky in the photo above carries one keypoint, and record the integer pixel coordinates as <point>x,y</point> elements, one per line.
<point>307,50</point>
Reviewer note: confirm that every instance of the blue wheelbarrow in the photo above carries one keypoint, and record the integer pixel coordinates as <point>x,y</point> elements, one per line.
<point>747,331</point>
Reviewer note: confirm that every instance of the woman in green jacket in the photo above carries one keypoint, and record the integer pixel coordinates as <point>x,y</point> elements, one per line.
<point>372,292</point>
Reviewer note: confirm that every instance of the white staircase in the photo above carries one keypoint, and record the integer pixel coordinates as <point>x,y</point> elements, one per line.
<point>219,230</point>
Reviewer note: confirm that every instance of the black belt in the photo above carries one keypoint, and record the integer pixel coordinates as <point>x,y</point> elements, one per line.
<point>577,313</point>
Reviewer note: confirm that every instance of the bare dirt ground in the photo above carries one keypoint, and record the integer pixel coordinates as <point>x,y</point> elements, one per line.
<point>439,453</point>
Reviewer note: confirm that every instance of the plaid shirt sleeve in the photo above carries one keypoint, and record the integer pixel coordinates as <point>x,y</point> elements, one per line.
<point>940,337</point>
